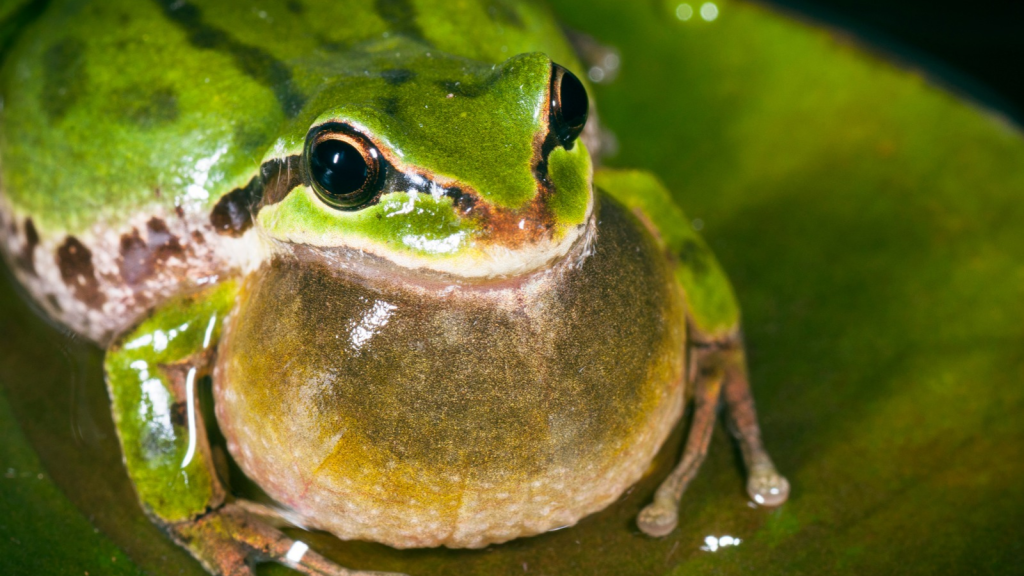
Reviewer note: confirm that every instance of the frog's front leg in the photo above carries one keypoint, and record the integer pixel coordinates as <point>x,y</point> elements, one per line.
<point>716,359</point>
<point>152,372</point>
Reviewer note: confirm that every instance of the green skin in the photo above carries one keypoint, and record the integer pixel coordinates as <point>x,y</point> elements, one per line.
<point>173,109</point>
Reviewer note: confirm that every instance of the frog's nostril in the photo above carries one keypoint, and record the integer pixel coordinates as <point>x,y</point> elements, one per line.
<point>569,105</point>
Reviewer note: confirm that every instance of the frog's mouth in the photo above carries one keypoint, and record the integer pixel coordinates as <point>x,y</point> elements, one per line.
<point>420,222</point>
<point>488,266</point>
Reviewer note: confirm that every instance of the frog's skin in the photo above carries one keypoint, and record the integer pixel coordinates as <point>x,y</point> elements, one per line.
<point>495,343</point>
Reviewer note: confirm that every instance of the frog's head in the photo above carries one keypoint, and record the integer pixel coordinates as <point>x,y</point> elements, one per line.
<point>438,163</point>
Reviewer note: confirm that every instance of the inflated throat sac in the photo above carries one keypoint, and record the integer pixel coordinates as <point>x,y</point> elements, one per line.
<point>423,415</point>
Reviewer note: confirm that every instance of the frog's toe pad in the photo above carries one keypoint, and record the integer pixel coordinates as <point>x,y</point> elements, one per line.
<point>659,518</point>
<point>768,488</point>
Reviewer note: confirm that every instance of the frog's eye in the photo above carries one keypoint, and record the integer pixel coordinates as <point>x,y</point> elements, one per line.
<point>569,105</point>
<point>343,168</point>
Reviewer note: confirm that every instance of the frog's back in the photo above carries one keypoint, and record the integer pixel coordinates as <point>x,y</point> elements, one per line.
<point>126,155</point>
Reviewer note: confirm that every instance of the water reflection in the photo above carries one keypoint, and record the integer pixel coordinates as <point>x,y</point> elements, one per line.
<point>606,69</point>
<point>709,11</point>
<point>713,543</point>
<point>375,318</point>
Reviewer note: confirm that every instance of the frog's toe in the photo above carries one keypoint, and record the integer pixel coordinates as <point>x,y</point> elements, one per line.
<point>659,518</point>
<point>231,541</point>
<point>768,487</point>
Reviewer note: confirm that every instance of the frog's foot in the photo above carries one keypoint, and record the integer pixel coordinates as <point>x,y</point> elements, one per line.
<point>660,517</point>
<point>764,483</point>
<point>767,487</point>
<point>230,541</point>
<point>717,368</point>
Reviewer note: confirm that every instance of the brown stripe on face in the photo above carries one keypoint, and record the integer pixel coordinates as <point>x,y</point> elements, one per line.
<point>76,270</point>
<point>233,214</point>
<point>280,177</point>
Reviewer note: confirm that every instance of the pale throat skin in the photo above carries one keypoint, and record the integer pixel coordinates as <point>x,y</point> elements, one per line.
<point>427,318</point>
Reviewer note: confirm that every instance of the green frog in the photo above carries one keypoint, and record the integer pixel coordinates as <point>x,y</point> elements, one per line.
<point>376,228</point>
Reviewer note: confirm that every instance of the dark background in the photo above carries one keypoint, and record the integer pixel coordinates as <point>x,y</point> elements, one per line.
<point>975,47</point>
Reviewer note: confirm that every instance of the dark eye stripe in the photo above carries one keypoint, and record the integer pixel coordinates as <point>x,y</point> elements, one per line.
<point>233,213</point>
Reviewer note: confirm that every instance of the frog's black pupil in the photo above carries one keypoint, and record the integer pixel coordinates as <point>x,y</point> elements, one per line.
<point>574,100</point>
<point>338,167</point>
<point>569,106</point>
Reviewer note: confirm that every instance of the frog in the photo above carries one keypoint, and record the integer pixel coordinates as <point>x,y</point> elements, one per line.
<point>379,234</point>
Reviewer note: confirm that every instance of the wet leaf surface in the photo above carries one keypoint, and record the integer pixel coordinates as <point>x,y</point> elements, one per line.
<point>872,226</point>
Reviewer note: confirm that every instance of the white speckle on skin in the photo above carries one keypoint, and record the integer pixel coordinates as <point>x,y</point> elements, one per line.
<point>446,245</point>
<point>200,176</point>
<point>144,340</point>
<point>159,341</point>
<point>155,408</point>
<point>407,207</point>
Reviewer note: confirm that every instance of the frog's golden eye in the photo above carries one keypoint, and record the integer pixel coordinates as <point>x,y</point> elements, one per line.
<point>569,105</point>
<point>344,167</point>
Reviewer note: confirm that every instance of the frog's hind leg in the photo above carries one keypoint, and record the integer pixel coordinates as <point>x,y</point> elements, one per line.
<point>717,362</point>
<point>660,517</point>
<point>717,369</point>
<point>764,483</point>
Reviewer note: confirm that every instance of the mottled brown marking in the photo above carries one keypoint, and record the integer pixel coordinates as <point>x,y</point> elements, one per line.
<point>26,260</point>
<point>232,215</point>
<point>133,257</point>
<point>180,212</point>
<point>77,271</point>
<point>179,414</point>
<point>140,259</point>
<point>197,237</point>
<point>165,244</point>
